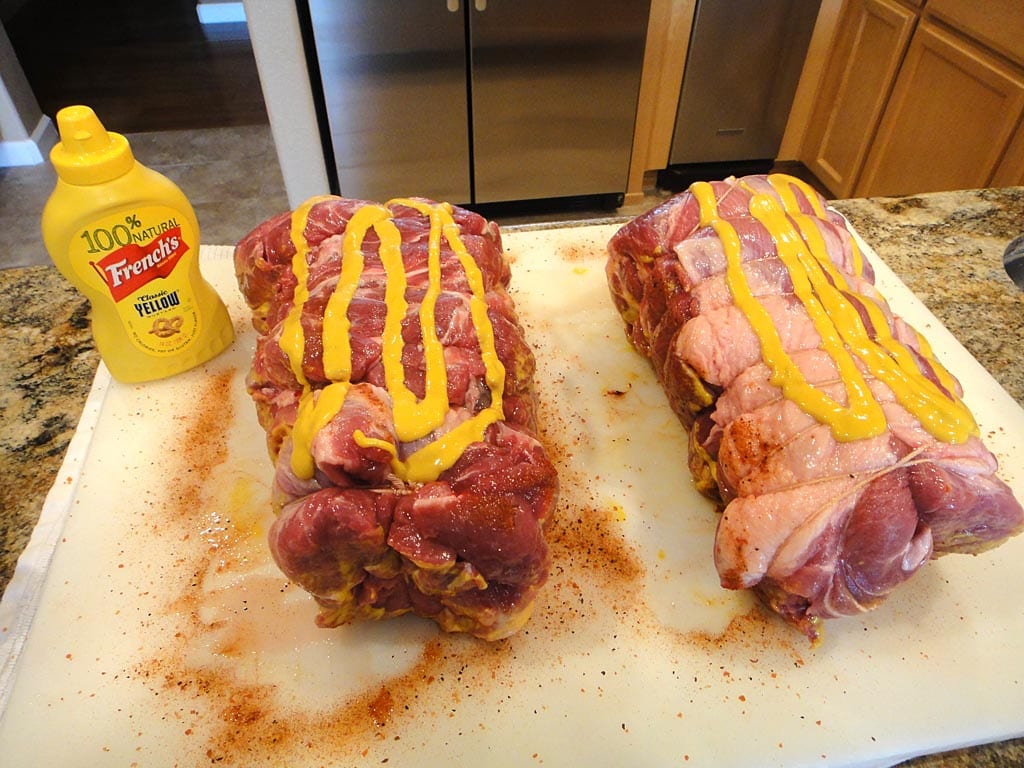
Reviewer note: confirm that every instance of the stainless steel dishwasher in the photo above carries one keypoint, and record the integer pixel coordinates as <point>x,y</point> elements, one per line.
<point>742,69</point>
<point>482,101</point>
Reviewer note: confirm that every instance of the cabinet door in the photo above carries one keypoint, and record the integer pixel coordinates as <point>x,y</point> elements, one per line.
<point>393,75</point>
<point>948,122</point>
<point>554,88</point>
<point>1010,172</point>
<point>996,24</point>
<point>869,46</point>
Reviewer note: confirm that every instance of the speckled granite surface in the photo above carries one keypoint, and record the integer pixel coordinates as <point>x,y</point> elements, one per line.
<point>47,364</point>
<point>947,247</point>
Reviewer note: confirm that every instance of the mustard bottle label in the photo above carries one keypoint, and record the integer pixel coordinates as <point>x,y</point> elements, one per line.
<point>140,258</point>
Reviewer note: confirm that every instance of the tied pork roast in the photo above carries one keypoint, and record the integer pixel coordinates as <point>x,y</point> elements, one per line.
<point>835,444</point>
<point>395,386</point>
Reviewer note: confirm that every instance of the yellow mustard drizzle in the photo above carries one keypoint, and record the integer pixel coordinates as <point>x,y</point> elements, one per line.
<point>363,441</point>
<point>783,185</point>
<point>925,350</point>
<point>337,348</point>
<point>413,418</point>
<point>292,341</point>
<point>826,296</point>
<point>316,409</point>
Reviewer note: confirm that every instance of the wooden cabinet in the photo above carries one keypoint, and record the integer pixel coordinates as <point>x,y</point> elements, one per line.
<point>870,42</point>
<point>1010,172</point>
<point>995,24</point>
<point>921,97</point>
<point>952,112</point>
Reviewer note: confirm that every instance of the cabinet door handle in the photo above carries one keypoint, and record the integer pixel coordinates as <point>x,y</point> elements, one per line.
<point>452,5</point>
<point>480,5</point>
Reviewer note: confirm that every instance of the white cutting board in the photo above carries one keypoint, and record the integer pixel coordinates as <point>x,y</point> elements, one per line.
<point>165,636</point>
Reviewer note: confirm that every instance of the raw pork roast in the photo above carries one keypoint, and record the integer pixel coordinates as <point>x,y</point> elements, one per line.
<point>395,386</point>
<point>836,445</point>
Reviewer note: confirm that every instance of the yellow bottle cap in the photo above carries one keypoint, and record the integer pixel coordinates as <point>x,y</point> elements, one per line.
<point>87,153</point>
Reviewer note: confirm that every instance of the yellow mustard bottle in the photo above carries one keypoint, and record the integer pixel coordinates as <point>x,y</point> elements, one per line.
<point>128,239</point>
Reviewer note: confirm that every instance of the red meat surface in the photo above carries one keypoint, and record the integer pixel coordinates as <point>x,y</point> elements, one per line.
<point>818,527</point>
<point>466,549</point>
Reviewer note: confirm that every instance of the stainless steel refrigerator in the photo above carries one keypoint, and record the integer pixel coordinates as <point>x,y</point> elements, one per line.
<point>476,102</point>
<point>742,70</point>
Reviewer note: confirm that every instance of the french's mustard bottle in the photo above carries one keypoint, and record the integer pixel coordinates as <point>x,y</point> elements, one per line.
<point>127,237</point>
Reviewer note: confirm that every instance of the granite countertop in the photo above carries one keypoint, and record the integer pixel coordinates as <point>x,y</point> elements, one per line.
<point>947,247</point>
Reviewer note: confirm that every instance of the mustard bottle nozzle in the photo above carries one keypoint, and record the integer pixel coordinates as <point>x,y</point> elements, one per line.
<point>87,152</point>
